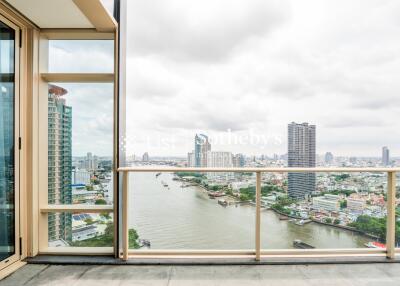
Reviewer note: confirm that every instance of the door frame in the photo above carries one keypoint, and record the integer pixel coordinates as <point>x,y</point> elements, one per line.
<point>17,255</point>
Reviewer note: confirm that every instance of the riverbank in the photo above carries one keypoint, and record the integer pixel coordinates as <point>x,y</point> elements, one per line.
<point>348,228</point>
<point>235,201</point>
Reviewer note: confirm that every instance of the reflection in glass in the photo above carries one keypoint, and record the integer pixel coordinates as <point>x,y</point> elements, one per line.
<point>7,188</point>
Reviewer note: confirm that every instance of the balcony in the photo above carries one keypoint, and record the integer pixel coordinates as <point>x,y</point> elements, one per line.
<point>294,275</point>
<point>157,221</point>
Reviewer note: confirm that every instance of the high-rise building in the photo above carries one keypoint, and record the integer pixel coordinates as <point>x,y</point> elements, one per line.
<point>191,159</point>
<point>145,157</point>
<point>219,159</point>
<point>81,176</point>
<point>301,153</point>
<point>60,162</point>
<point>91,162</point>
<point>238,161</point>
<point>328,158</point>
<point>385,156</point>
<point>201,147</point>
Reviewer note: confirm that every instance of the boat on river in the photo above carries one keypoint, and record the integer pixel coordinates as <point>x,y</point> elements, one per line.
<point>222,202</point>
<point>375,244</point>
<point>214,195</point>
<point>297,243</point>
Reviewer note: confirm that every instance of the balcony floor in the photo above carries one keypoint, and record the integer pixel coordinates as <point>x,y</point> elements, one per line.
<point>290,275</point>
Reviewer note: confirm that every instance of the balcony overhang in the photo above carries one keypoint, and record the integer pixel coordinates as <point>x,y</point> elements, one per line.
<point>66,14</point>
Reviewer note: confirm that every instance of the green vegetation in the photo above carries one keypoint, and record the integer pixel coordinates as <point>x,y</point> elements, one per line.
<point>341,177</point>
<point>100,202</point>
<point>107,239</point>
<point>337,192</point>
<point>189,174</point>
<point>249,193</point>
<point>89,221</point>
<point>89,188</point>
<point>216,188</point>
<point>343,204</point>
<point>336,221</point>
<point>281,204</point>
<point>374,226</point>
<point>371,225</point>
<point>328,220</point>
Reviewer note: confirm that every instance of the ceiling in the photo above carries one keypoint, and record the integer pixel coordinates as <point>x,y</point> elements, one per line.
<point>52,13</point>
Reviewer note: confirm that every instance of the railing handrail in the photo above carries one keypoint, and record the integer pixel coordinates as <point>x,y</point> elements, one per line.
<point>391,195</point>
<point>263,169</point>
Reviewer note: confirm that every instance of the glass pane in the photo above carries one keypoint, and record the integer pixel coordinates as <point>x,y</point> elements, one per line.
<point>342,210</point>
<point>81,56</point>
<point>80,133</point>
<point>81,230</point>
<point>189,211</point>
<point>7,165</point>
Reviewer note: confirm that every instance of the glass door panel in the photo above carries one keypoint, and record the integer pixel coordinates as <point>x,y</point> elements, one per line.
<point>8,196</point>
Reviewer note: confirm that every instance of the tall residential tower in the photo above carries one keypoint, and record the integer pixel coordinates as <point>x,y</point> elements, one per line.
<point>201,147</point>
<point>385,156</point>
<point>301,153</point>
<point>60,162</point>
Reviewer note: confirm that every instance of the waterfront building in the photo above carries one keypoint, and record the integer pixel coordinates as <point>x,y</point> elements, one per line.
<point>301,153</point>
<point>59,162</point>
<point>219,159</point>
<point>328,158</point>
<point>145,157</point>
<point>201,147</point>
<point>385,156</point>
<point>326,202</point>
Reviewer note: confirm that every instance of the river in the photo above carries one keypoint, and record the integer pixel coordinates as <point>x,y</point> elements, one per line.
<point>185,218</point>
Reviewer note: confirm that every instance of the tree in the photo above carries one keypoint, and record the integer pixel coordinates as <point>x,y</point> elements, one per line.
<point>133,239</point>
<point>336,221</point>
<point>107,239</point>
<point>328,220</point>
<point>343,204</point>
<point>100,202</point>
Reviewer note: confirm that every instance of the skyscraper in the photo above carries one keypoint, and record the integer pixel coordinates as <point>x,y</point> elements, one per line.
<point>328,157</point>
<point>238,160</point>
<point>191,159</point>
<point>385,156</point>
<point>219,159</point>
<point>145,157</point>
<point>301,153</point>
<point>91,162</point>
<point>60,162</point>
<point>201,147</point>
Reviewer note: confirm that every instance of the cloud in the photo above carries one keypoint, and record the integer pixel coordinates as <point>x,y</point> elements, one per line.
<point>245,65</point>
<point>202,31</point>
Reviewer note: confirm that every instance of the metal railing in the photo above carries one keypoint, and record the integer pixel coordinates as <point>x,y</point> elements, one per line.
<point>257,252</point>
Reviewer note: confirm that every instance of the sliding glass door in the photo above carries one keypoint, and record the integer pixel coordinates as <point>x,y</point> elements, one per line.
<point>9,199</point>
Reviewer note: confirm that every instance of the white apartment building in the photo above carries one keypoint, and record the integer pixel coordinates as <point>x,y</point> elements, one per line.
<point>219,159</point>
<point>355,205</point>
<point>81,177</point>
<point>326,202</point>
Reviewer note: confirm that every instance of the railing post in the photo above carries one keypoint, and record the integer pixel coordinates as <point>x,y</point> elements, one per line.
<point>125,227</point>
<point>258,215</point>
<point>391,215</point>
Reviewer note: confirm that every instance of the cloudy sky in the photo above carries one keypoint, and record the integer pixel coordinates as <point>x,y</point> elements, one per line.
<point>241,70</point>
